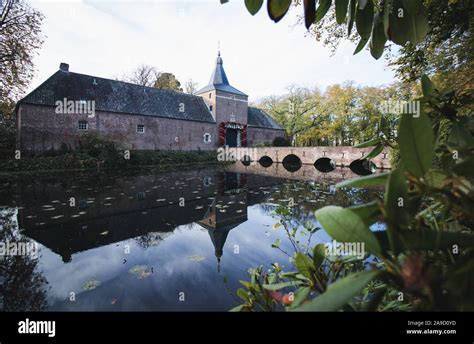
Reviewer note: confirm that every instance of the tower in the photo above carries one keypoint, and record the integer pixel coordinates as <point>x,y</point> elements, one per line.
<point>228,106</point>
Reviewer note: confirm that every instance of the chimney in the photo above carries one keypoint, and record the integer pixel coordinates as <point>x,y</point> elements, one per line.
<point>64,67</point>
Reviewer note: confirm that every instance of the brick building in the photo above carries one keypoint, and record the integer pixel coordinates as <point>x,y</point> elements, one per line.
<point>68,105</point>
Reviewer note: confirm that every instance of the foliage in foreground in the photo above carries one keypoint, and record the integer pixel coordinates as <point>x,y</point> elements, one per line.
<point>424,260</point>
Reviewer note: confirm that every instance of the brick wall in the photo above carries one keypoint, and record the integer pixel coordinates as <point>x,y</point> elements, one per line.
<point>40,128</point>
<point>262,135</point>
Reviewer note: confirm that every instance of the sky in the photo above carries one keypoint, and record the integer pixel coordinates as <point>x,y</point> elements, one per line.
<point>261,58</point>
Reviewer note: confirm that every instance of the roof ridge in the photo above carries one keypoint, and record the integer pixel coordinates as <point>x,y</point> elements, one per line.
<point>133,84</point>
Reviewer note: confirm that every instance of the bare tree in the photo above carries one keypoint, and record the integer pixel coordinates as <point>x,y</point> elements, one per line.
<point>144,75</point>
<point>190,86</point>
<point>20,38</point>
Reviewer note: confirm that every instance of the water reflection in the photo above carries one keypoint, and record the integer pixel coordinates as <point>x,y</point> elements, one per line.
<point>137,242</point>
<point>22,285</point>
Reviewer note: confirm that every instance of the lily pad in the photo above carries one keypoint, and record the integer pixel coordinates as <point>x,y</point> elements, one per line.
<point>197,258</point>
<point>91,284</point>
<point>141,271</point>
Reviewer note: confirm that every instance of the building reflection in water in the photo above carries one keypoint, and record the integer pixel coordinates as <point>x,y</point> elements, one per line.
<point>227,211</point>
<point>125,208</point>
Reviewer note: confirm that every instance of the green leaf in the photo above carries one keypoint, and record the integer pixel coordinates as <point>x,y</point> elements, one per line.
<point>344,225</point>
<point>426,86</point>
<point>369,143</point>
<point>460,137</point>
<point>377,44</point>
<point>341,10</point>
<point>276,225</point>
<point>309,12</point>
<point>375,300</point>
<point>300,296</point>
<point>319,253</point>
<point>460,282</point>
<point>364,20</point>
<point>396,207</point>
<point>369,212</point>
<point>465,167</point>
<point>362,4</point>
<point>405,27</point>
<point>278,286</point>
<point>386,17</point>
<point>339,293</point>
<point>237,308</point>
<point>370,180</point>
<point>253,6</point>
<point>352,15</point>
<point>276,244</point>
<point>304,264</point>
<point>243,295</point>
<point>413,6</point>
<point>427,239</point>
<point>322,9</point>
<point>376,151</point>
<point>277,9</point>
<point>416,143</point>
<point>435,178</point>
<point>361,45</point>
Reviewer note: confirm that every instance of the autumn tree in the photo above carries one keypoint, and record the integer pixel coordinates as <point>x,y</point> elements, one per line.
<point>20,38</point>
<point>168,81</point>
<point>295,111</point>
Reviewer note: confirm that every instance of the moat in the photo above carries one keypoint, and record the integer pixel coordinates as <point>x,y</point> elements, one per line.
<point>174,241</point>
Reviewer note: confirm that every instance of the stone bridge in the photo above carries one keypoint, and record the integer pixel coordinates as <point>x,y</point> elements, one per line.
<point>306,172</point>
<point>341,156</point>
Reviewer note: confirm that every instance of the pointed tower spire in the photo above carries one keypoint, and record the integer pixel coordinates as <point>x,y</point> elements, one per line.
<point>219,79</point>
<point>218,76</point>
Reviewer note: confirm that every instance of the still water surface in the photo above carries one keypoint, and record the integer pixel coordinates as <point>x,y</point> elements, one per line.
<point>152,241</point>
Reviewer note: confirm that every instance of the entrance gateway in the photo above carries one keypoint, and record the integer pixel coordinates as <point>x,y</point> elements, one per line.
<point>233,134</point>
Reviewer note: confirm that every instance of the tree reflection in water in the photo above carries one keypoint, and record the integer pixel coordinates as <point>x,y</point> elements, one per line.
<point>22,285</point>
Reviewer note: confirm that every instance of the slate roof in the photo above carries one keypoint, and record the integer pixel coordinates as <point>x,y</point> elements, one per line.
<point>118,96</point>
<point>259,118</point>
<point>219,80</point>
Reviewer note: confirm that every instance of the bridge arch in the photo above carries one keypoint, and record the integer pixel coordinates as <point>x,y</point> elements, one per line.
<point>246,160</point>
<point>362,167</point>
<point>325,164</point>
<point>292,163</point>
<point>265,161</point>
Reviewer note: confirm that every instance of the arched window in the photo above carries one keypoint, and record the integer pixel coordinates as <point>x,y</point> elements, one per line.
<point>207,138</point>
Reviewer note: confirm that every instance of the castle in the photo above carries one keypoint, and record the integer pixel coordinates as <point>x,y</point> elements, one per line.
<point>139,117</point>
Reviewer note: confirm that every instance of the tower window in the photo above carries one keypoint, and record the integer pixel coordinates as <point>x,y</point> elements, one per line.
<point>210,108</point>
<point>140,128</point>
<point>82,125</point>
<point>210,95</point>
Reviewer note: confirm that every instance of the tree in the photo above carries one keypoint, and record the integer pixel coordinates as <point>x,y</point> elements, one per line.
<point>446,50</point>
<point>144,75</point>
<point>190,86</point>
<point>168,81</point>
<point>427,205</point>
<point>150,76</point>
<point>295,111</point>
<point>20,38</point>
